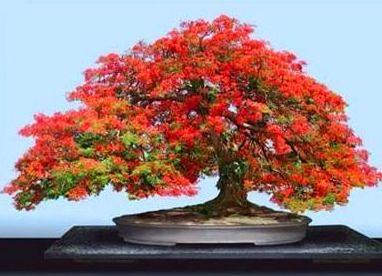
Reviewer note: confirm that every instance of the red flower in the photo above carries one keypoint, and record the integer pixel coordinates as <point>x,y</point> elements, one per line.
<point>77,193</point>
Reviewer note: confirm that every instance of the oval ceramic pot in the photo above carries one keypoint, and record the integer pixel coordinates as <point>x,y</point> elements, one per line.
<point>171,234</point>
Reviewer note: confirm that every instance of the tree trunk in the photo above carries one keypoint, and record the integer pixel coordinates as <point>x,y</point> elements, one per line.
<point>231,193</point>
<point>231,186</point>
<point>232,197</point>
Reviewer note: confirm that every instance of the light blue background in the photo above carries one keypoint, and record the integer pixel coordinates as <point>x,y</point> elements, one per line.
<point>46,45</point>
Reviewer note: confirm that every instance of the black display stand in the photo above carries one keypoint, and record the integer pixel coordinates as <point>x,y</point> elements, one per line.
<point>98,249</point>
<point>322,243</point>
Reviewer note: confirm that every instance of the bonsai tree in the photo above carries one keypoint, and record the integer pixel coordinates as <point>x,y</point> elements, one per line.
<point>205,100</point>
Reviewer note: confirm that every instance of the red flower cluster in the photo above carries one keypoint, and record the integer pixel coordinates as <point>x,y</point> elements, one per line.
<point>157,118</point>
<point>76,193</point>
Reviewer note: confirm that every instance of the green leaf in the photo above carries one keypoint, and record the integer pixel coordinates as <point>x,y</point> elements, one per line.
<point>334,145</point>
<point>129,138</point>
<point>281,119</point>
<point>211,94</point>
<point>158,138</point>
<point>176,162</point>
<point>102,180</point>
<point>272,106</point>
<point>178,148</point>
<point>87,152</point>
<point>329,199</point>
<point>24,198</point>
<point>173,69</point>
<point>87,139</point>
<point>175,126</point>
<point>297,164</point>
<point>142,169</point>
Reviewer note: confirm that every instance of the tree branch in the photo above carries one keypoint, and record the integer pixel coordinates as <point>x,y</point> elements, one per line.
<point>149,99</point>
<point>295,151</point>
<point>257,127</point>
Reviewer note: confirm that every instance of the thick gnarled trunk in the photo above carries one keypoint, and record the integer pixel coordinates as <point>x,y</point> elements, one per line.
<point>232,198</point>
<point>231,186</point>
<point>231,193</point>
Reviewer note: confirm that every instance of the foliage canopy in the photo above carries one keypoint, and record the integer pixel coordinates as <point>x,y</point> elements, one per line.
<point>206,99</point>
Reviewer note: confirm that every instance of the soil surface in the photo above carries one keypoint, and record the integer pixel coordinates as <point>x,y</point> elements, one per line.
<point>204,214</point>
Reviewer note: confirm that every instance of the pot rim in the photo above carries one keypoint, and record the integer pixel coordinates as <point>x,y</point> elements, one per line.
<point>121,220</point>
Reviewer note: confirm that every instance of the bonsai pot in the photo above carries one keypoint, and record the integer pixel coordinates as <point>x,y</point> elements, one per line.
<point>258,230</point>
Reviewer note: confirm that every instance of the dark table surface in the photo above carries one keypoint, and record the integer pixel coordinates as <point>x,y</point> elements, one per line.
<point>27,255</point>
<point>327,242</point>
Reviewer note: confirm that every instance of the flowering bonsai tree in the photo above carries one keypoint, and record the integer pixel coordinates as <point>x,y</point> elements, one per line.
<point>206,99</point>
